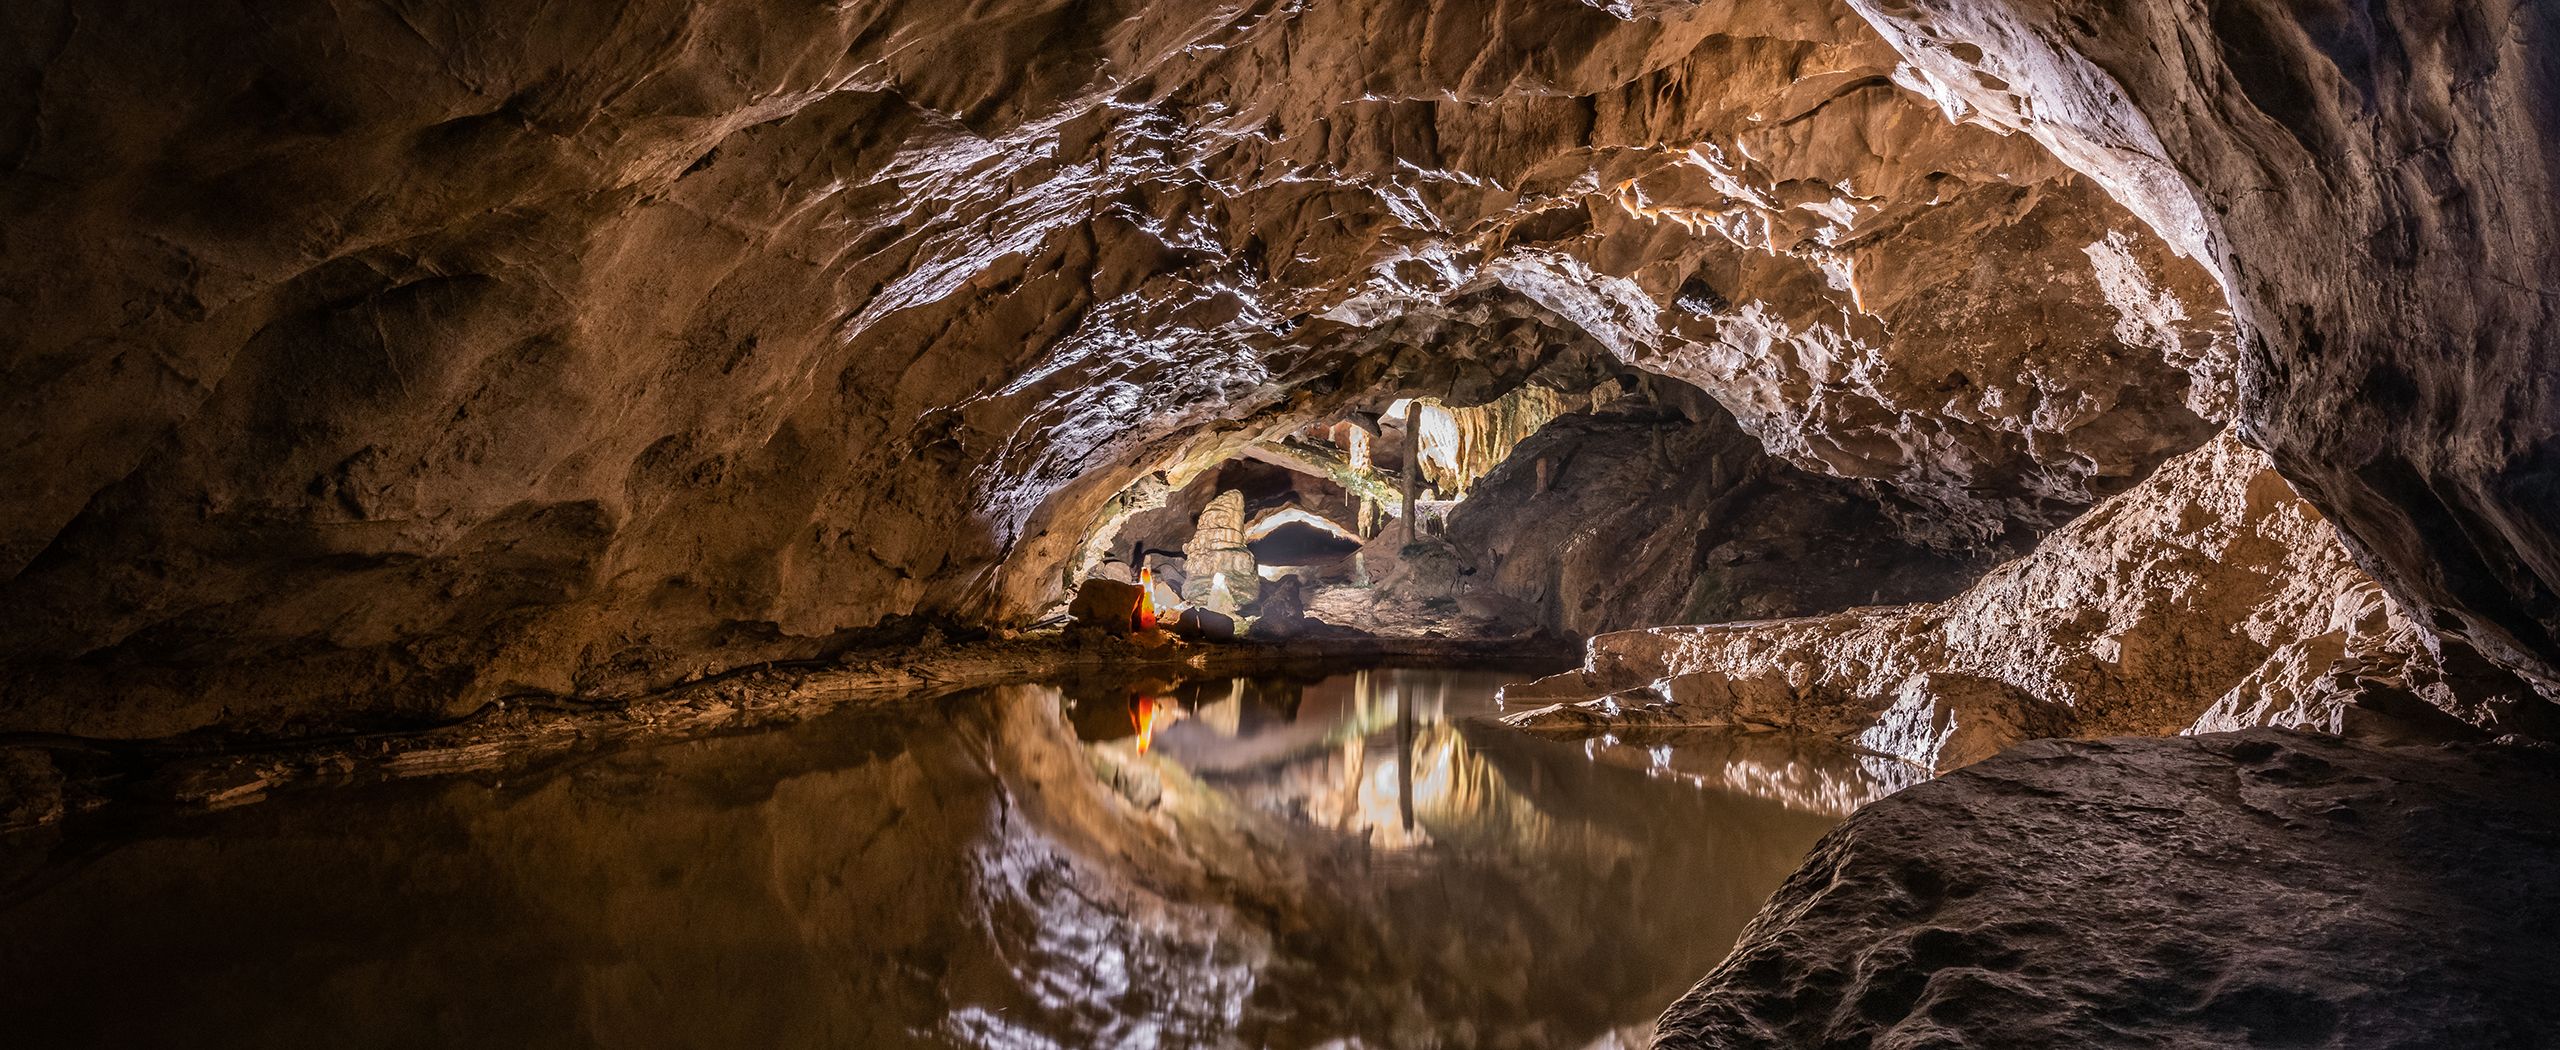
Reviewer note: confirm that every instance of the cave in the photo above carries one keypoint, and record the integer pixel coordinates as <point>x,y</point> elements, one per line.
<point>1296,523</point>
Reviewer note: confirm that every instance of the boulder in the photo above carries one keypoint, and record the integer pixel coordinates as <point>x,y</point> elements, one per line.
<point>1208,625</point>
<point>1109,605</point>
<point>1282,599</point>
<point>2262,888</point>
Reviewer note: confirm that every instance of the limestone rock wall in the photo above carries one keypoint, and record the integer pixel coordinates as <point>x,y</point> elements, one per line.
<point>2378,187</point>
<point>1641,515</point>
<point>2208,595</point>
<point>378,363</point>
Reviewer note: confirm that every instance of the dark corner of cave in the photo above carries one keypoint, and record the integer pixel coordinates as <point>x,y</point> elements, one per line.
<point>1277,525</point>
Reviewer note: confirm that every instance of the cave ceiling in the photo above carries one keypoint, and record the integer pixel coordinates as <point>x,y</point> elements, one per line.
<point>471,347</point>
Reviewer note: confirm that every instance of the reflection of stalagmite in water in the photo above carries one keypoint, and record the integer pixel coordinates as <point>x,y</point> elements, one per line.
<point>1404,756</point>
<point>959,870</point>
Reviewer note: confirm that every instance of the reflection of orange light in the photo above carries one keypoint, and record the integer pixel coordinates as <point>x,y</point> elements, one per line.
<point>1146,620</point>
<point>1146,712</point>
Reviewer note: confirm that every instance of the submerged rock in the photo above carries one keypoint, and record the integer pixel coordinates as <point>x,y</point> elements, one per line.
<point>2263,888</point>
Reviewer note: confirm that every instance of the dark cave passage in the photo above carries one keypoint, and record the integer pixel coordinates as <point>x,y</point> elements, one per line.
<point>1294,543</point>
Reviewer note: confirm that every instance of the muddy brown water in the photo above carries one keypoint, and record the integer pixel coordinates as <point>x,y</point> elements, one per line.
<point>1361,860</point>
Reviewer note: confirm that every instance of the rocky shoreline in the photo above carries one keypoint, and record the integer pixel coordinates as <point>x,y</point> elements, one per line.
<point>45,778</point>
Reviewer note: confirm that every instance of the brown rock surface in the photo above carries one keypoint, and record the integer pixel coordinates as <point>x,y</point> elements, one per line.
<point>2377,188</point>
<point>2209,580</point>
<point>1106,605</point>
<point>2121,893</point>
<point>375,366</point>
<point>1205,625</point>
<point>1640,515</point>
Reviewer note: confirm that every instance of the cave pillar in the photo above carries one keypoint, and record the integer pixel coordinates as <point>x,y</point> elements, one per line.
<point>1356,445</point>
<point>1221,570</point>
<point>1412,466</point>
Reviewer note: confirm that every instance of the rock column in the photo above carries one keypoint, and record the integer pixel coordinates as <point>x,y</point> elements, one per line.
<point>1217,555</point>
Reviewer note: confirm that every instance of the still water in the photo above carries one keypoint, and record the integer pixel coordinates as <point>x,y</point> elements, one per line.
<point>1362,860</point>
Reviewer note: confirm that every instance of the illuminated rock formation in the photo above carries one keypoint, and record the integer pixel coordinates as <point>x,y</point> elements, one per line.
<point>1219,570</point>
<point>2210,587</point>
<point>1463,444</point>
<point>2375,187</point>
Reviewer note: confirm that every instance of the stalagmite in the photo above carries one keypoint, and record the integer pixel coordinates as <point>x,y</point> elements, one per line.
<point>1220,568</point>
<point>1365,521</point>
<point>1412,470</point>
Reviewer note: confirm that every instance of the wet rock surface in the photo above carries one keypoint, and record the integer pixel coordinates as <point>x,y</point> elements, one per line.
<point>2208,594</point>
<point>2265,888</point>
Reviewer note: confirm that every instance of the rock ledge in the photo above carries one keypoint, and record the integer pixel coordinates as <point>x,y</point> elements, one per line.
<point>2261,888</point>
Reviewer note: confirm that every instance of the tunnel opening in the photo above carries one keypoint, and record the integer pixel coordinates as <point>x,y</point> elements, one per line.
<point>1300,544</point>
<point>1614,499</point>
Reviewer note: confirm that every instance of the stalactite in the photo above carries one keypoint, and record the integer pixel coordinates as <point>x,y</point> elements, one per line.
<point>1462,445</point>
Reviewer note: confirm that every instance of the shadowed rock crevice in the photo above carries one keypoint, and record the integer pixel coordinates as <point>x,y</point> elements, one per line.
<point>1651,512</point>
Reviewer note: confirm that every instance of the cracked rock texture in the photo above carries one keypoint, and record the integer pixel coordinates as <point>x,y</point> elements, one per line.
<point>2115,894</point>
<point>372,362</point>
<point>2209,580</point>
<point>2378,187</point>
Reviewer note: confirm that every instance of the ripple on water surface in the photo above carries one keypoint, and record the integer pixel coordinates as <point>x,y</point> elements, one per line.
<point>1357,860</point>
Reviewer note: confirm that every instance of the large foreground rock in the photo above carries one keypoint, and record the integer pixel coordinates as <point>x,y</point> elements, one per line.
<point>2264,888</point>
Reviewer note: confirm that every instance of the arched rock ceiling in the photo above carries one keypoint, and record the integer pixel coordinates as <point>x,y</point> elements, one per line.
<point>458,349</point>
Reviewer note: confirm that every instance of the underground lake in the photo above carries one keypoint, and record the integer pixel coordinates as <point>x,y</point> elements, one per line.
<point>1354,859</point>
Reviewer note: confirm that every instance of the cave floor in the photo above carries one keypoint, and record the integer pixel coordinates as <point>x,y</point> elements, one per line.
<point>44,780</point>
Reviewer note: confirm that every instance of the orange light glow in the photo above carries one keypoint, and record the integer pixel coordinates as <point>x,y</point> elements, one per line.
<point>1146,618</point>
<point>1146,713</point>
